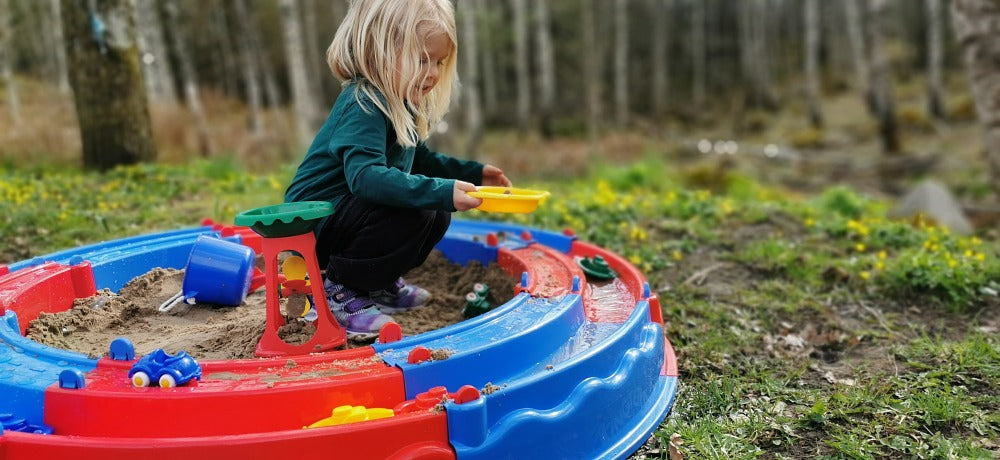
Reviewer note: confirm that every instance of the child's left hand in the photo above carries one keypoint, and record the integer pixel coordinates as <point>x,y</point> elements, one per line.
<point>494,176</point>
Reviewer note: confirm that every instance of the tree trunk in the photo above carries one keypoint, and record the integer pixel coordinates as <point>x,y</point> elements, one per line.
<point>621,63</point>
<point>189,80</point>
<point>977,26</point>
<point>468,15</point>
<point>59,48</point>
<point>248,56</point>
<point>314,60</point>
<point>660,13</point>
<point>754,62</point>
<point>935,56</point>
<point>489,57</point>
<point>591,74</point>
<point>107,85</point>
<point>301,98</point>
<point>6,64</point>
<point>859,55</point>
<point>156,71</point>
<point>226,52</point>
<point>812,29</point>
<point>546,69</point>
<point>522,66</point>
<point>698,52</point>
<point>881,86</point>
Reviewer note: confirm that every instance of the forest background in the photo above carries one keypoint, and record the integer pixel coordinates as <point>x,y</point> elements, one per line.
<point>744,154</point>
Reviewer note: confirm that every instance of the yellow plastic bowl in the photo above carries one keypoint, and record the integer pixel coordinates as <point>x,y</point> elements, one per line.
<point>508,199</point>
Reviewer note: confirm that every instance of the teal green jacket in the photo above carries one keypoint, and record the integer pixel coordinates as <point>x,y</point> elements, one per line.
<point>355,152</point>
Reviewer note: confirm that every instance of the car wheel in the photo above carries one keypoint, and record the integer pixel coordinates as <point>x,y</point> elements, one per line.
<point>167,381</point>
<point>140,379</point>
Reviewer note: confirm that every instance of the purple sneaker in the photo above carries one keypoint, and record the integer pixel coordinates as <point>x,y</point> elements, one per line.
<point>359,315</point>
<point>399,297</point>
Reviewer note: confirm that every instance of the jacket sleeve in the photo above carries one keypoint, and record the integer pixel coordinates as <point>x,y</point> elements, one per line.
<point>434,164</point>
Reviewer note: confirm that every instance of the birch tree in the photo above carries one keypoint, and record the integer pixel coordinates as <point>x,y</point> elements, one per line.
<point>859,55</point>
<point>977,26</point>
<point>301,99</point>
<point>6,64</point>
<point>468,15</point>
<point>488,56</point>
<point>248,65</point>
<point>884,105</point>
<point>522,67</point>
<point>621,63</point>
<point>58,48</point>
<point>591,77</point>
<point>110,99</point>
<point>156,71</point>
<point>811,52</point>
<point>189,80</point>
<point>935,56</point>
<point>698,52</point>
<point>659,10</point>
<point>754,61</point>
<point>546,68</point>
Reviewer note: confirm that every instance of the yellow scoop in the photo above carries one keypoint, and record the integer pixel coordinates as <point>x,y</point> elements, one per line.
<point>508,199</point>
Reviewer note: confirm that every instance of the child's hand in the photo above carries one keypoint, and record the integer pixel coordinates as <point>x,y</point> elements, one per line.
<point>494,176</point>
<point>464,202</point>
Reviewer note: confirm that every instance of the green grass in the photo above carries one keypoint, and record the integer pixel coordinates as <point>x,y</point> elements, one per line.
<point>822,330</point>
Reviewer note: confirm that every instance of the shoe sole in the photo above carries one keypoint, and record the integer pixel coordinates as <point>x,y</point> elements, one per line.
<point>361,336</point>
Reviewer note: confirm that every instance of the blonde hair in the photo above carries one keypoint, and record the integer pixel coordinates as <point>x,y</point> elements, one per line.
<point>380,45</point>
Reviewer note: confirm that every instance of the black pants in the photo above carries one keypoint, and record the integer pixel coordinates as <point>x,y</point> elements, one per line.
<point>368,246</point>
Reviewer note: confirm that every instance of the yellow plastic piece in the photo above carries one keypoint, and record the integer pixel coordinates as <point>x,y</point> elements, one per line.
<point>294,268</point>
<point>351,414</point>
<point>508,199</point>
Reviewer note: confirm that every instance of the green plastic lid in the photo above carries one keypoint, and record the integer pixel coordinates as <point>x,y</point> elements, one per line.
<point>285,219</point>
<point>596,268</point>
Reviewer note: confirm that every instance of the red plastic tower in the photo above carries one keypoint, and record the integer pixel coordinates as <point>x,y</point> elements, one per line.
<point>329,334</point>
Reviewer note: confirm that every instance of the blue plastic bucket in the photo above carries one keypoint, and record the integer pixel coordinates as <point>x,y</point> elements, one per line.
<point>218,271</point>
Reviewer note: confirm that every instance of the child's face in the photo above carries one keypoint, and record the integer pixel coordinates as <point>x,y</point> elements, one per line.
<point>438,48</point>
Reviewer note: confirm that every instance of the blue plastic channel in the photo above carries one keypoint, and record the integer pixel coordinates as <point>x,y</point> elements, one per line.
<point>115,263</point>
<point>554,240</point>
<point>612,396</point>
<point>27,368</point>
<point>519,340</point>
<point>85,252</point>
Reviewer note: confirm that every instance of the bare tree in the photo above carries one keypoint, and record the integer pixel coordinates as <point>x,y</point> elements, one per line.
<point>660,12</point>
<point>107,85</point>
<point>488,56</point>
<point>621,63</point>
<point>189,80</point>
<point>248,57</point>
<point>935,56</point>
<point>859,55</point>
<point>58,48</point>
<point>881,86</point>
<point>591,75</point>
<point>698,52</point>
<point>977,26</point>
<point>301,99</point>
<point>812,29</point>
<point>522,68</point>
<point>753,58</point>
<point>6,63</point>
<point>546,68</point>
<point>468,15</point>
<point>156,71</point>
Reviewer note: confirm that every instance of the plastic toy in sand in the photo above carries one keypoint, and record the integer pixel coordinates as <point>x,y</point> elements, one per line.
<point>166,370</point>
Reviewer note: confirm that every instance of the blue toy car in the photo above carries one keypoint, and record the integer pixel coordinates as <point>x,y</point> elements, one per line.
<point>168,371</point>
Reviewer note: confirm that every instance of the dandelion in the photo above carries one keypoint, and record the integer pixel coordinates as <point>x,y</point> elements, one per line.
<point>677,255</point>
<point>860,247</point>
<point>865,275</point>
<point>882,255</point>
<point>980,256</point>
<point>809,222</point>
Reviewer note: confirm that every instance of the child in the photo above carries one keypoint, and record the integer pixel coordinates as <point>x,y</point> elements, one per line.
<point>393,197</point>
